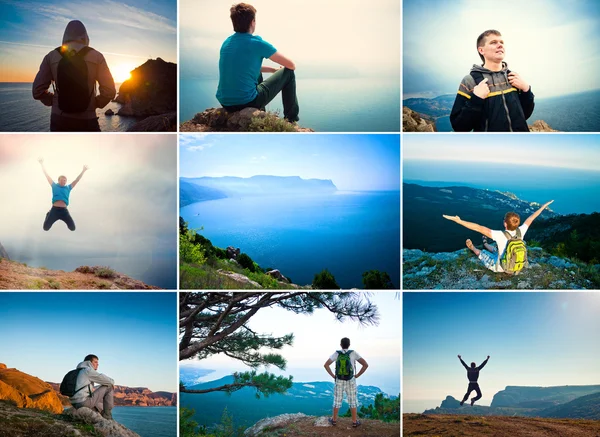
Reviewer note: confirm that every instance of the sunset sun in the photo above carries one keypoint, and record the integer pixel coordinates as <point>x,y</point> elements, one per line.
<point>122,72</point>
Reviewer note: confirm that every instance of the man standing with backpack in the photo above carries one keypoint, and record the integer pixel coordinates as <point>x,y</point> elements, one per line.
<point>511,254</point>
<point>78,385</point>
<point>491,97</point>
<point>345,379</point>
<point>73,70</point>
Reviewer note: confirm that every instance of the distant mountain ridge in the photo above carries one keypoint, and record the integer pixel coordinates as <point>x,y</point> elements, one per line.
<point>199,189</point>
<point>312,398</point>
<point>132,397</point>
<point>569,402</point>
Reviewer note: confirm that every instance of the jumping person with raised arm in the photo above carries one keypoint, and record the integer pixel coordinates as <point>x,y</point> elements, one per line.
<point>473,375</point>
<point>241,82</point>
<point>510,256</point>
<point>60,199</point>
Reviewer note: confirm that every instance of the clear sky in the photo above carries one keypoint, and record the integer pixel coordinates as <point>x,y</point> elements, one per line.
<point>553,44</point>
<point>318,336</point>
<point>124,207</point>
<point>333,38</point>
<point>534,339</point>
<point>127,33</point>
<point>133,334</point>
<point>555,150</point>
<point>353,162</point>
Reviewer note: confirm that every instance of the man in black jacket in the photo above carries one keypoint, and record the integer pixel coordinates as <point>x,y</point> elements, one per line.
<point>492,98</point>
<point>473,375</point>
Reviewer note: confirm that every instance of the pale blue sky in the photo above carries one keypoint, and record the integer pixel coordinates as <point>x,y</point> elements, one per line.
<point>318,336</point>
<point>552,44</point>
<point>534,339</point>
<point>133,334</point>
<point>335,38</point>
<point>353,162</point>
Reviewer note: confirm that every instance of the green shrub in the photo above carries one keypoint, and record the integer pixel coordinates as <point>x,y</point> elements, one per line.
<point>376,280</point>
<point>189,251</point>
<point>246,262</point>
<point>325,281</point>
<point>55,285</point>
<point>270,123</point>
<point>105,272</point>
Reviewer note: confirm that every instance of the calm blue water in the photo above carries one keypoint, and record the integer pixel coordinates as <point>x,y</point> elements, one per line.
<point>148,421</point>
<point>19,112</point>
<point>345,233</point>
<point>573,191</point>
<point>326,105</point>
<point>573,113</point>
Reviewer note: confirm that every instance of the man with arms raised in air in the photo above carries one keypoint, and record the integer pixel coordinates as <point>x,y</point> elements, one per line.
<point>241,83</point>
<point>510,255</point>
<point>492,98</point>
<point>473,375</point>
<point>60,199</point>
<point>345,379</point>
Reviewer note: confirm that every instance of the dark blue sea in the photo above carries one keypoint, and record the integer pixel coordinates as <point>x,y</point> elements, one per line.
<point>326,105</point>
<point>148,421</point>
<point>572,113</point>
<point>19,112</point>
<point>573,191</point>
<point>347,233</point>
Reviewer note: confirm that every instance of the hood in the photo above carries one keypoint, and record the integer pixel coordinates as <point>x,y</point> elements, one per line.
<point>84,364</point>
<point>75,32</point>
<point>481,69</point>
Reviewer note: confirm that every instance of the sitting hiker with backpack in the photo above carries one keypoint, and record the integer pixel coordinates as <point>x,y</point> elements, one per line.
<point>511,254</point>
<point>73,70</point>
<point>345,379</point>
<point>78,385</point>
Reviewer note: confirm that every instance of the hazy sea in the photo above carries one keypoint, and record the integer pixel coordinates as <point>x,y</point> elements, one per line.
<point>573,191</point>
<point>326,105</point>
<point>572,113</point>
<point>148,421</point>
<point>347,233</point>
<point>19,112</point>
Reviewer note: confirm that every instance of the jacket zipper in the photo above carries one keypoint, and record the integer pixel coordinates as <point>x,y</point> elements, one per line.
<point>505,105</point>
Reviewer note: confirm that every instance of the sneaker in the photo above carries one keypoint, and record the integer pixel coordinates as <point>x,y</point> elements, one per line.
<point>332,422</point>
<point>107,416</point>
<point>356,424</point>
<point>462,403</point>
<point>472,402</point>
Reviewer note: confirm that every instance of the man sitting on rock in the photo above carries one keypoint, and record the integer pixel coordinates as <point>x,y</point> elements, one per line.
<point>241,83</point>
<point>345,379</point>
<point>100,399</point>
<point>73,69</point>
<point>60,199</point>
<point>498,259</point>
<point>473,375</point>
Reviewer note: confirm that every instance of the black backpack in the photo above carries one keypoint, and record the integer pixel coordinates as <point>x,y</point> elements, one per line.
<point>68,386</point>
<point>72,81</point>
<point>343,366</point>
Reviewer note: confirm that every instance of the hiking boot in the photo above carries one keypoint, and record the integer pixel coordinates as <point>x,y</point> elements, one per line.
<point>462,403</point>
<point>356,424</point>
<point>472,402</point>
<point>107,416</point>
<point>332,422</point>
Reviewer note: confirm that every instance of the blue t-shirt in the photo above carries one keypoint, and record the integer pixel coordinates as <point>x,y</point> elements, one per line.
<point>239,67</point>
<point>60,193</point>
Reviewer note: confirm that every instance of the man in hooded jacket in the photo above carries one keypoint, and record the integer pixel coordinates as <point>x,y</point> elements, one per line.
<point>491,97</point>
<point>74,40</point>
<point>100,398</point>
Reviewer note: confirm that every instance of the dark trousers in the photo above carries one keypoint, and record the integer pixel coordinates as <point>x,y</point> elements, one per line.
<point>58,213</point>
<point>473,386</point>
<point>284,81</point>
<point>60,123</point>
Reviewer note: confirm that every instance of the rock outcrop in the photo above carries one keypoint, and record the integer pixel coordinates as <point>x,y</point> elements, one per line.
<point>151,90</point>
<point>541,126</point>
<point>276,274</point>
<point>232,252</point>
<point>156,123</point>
<point>415,122</point>
<point>461,270</point>
<point>246,120</point>
<point>17,276</point>
<point>102,426</point>
<point>27,391</point>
